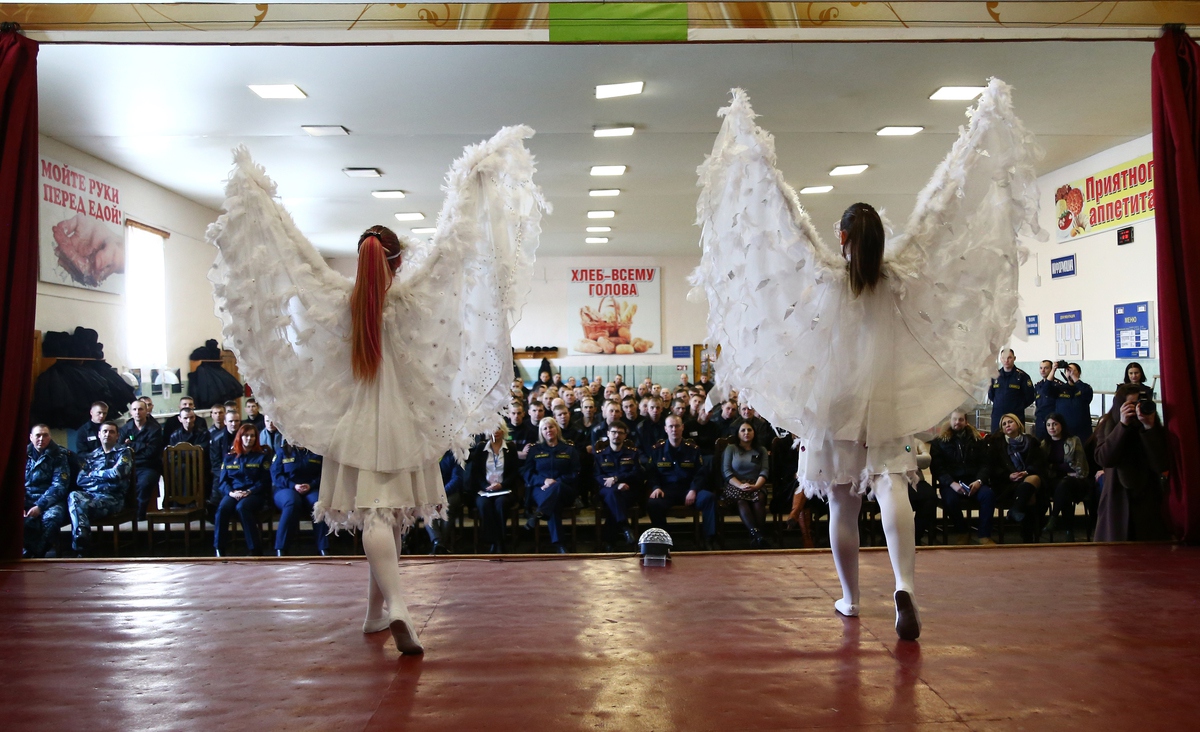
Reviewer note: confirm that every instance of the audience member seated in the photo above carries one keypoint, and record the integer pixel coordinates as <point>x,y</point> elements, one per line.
<point>729,413</point>
<point>149,409</point>
<point>172,423</point>
<point>1011,390</point>
<point>537,412</point>
<point>102,482</point>
<point>922,496</point>
<point>144,436</point>
<point>1047,398</point>
<point>675,476</point>
<point>47,480</point>
<point>746,465</point>
<point>296,479</point>
<point>521,434</point>
<point>1134,374</point>
<point>1020,467</point>
<point>586,419</point>
<point>233,406</point>
<point>269,435</point>
<point>582,447</point>
<point>618,476</point>
<point>631,414</point>
<point>1075,404</point>
<point>242,489</point>
<point>188,430</point>
<point>702,430</point>
<point>1068,473</point>
<point>493,476</point>
<point>651,430</point>
<point>959,466</point>
<point>1131,447</point>
<point>254,414</point>
<point>452,481</point>
<point>550,473</point>
<point>87,437</point>
<point>612,413</point>
<point>220,442</point>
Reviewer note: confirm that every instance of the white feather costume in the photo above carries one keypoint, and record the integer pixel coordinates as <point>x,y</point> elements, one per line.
<point>855,377</point>
<point>447,362</point>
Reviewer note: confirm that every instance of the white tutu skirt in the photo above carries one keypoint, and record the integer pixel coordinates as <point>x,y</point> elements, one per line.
<point>350,498</point>
<point>825,463</point>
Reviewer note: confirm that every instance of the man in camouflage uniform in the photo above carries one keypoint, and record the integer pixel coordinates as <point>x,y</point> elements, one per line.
<point>103,484</point>
<point>47,480</point>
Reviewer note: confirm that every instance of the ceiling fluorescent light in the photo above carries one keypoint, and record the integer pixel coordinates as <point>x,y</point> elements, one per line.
<point>362,172</point>
<point>598,229</point>
<point>601,214</point>
<point>608,170</point>
<point>278,91</point>
<point>612,131</point>
<point>957,93</point>
<point>410,216</point>
<point>596,240</point>
<point>608,91</point>
<point>325,130</point>
<point>848,170</point>
<point>424,230</point>
<point>604,192</point>
<point>898,131</point>
<point>816,189</point>
<point>388,194</point>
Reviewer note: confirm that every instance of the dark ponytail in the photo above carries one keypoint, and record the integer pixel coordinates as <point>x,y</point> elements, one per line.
<point>863,246</point>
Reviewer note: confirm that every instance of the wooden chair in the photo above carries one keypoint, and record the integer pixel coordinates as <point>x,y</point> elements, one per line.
<point>183,499</point>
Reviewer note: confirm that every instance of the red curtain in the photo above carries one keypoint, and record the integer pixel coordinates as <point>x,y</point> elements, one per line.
<point>18,272</point>
<point>1175,89</point>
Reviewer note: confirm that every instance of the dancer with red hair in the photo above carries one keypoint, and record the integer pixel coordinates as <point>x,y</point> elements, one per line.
<point>411,359</point>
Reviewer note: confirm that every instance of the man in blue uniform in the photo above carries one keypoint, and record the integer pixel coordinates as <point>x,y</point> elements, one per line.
<point>144,436</point>
<point>87,437</point>
<point>1075,404</point>
<point>47,479</point>
<point>618,475</point>
<point>296,481</point>
<point>676,476</point>
<point>1011,390</point>
<point>103,483</point>
<point>1047,397</point>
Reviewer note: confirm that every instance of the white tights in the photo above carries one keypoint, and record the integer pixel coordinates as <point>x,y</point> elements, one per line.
<point>891,491</point>
<point>380,543</point>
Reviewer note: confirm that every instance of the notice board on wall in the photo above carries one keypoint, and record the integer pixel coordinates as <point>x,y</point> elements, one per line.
<point>1132,328</point>
<point>615,311</point>
<point>1068,334</point>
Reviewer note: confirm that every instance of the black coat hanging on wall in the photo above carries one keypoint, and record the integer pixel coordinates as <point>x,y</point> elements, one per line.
<point>63,393</point>
<point>211,384</point>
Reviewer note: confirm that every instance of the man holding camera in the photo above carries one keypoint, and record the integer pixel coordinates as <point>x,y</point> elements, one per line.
<point>1047,397</point>
<point>1075,403</point>
<point>1011,390</point>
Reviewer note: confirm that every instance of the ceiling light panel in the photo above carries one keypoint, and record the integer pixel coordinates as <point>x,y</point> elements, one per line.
<point>612,131</point>
<point>599,229</point>
<point>629,88</point>
<point>604,192</point>
<point>815,189</point>
<point>410,216</point>
<point>362,172</point>
<point>601,214</point>
<point>388,194</point>
<point>848,170</point>
<point>424,230</point>
<point>596,240</point>
<point>898,131</point>
<point>956,93</point>
<point>278,91</point>
<point>325,130</point>
<point>608,170</point>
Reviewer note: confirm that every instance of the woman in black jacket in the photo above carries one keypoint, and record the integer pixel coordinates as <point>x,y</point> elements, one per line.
<point>1131,447</point>
<point>1019,470</point>
<point>492,469</point>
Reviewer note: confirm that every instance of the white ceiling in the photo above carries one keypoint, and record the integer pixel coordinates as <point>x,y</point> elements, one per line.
<point>171,114</point>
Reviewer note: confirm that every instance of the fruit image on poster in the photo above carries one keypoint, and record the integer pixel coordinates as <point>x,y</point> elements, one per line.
<point>1115,197</point>
<point>617,310</point>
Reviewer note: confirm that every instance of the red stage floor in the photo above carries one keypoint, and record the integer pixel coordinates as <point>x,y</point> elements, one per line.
<point>1036,638</point>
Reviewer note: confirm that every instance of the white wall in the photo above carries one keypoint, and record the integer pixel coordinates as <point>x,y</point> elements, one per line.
<point>189,307</point>
<point>1108,275</point>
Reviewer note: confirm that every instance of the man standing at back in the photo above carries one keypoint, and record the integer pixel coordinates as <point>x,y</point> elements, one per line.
<point>1011,390</point>
<point>87,437</point>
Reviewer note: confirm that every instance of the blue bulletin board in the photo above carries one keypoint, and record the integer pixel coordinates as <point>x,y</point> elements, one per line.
<point>1131,327</point>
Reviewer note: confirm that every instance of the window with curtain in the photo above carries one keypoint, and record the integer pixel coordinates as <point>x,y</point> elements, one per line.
<point>145,298</point>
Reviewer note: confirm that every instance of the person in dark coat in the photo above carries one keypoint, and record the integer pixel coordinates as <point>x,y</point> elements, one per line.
<point>493,477</point>
<point>1047,398</point>
<point>145,437</point>
<point>1131,447</point>
<point>254,414</point>
<point>242,488</point>
<point>958,463</point>
<point>550,473</point>
<point>1068,476</point>
<point>677,476</point>
<point>1011,391</point>
<point>188,430</point>
<point>1019,472</point>
<point>87,437</point>
<point>521,434</point>
<point>172,423</point>
<point>1075,404</point>
<point>47,481</point>
<point>618,479</point>
<point>296,481</point>
<point>220,442</point>
<point>102,485</point>
<point>453,477</point>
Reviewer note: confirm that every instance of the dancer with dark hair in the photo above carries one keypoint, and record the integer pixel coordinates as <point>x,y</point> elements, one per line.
<point>875,347</point>
<point>383,375</point>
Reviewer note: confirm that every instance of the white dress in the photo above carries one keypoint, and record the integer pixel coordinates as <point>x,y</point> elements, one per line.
<point>855,377</point>
<point>446,358</point>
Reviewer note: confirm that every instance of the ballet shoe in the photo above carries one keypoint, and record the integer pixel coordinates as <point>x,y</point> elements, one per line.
<point>848,609</point>
<point>908,620</point>
<point>405,635</point>
<point>375,625</point>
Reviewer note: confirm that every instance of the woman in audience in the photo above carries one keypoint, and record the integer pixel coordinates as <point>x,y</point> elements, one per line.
<point>1135,375</point>
<point>492,469</point>
<point>550,473</point>
<point>1067,472</point>
<point>242,489</point>
<point>296,478</point>
<point>1131,447</point>
<point>746,466</point>
<point>1020,468</point>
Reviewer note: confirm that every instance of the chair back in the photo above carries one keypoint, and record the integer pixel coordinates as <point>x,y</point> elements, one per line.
<point>183,476</point>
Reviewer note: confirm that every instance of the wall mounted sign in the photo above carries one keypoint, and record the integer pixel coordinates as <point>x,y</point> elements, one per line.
<point>615,311</point>
<point>1068,333</point>
<point>1062,267</point>
<point>1117,196</point>
<point>81,229</point>
<point>1031,325</point>
<point>681,351</point>
<point>1131,327</point>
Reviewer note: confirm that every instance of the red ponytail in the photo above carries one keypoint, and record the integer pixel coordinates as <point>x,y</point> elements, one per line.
<point>375,272</point>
